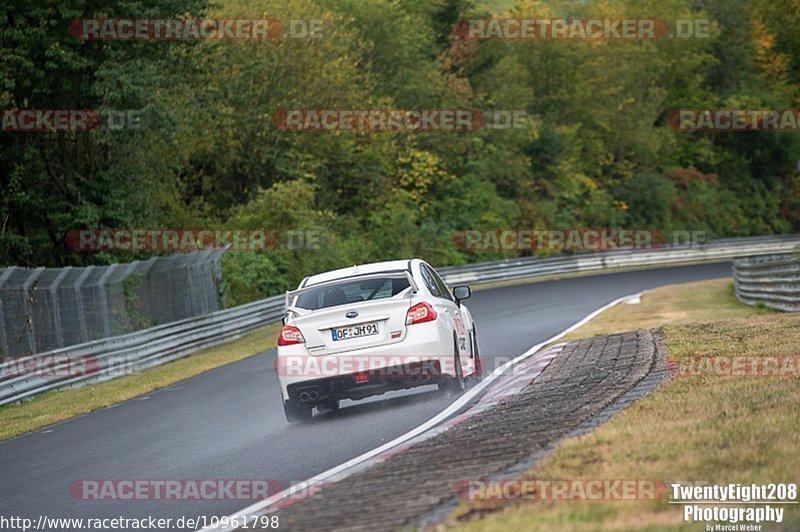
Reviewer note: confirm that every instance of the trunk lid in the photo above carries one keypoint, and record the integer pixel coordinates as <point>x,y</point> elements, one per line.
<point>374,316</point>
<point>379,322</point>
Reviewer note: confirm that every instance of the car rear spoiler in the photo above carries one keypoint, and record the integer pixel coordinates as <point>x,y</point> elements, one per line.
<point>403,274</point>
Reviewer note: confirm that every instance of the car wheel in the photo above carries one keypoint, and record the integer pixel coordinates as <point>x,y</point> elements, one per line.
<point>457,383</point>
<point>478,375</point>
<point>328,405</point>
<point>296,412</point>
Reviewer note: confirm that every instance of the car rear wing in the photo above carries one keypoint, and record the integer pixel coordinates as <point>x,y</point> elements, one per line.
<point>403,274</point>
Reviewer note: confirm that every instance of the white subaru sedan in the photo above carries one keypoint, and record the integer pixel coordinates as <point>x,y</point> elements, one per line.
<point>365,330</point>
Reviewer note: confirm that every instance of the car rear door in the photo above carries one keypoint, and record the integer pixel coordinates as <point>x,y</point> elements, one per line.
<point>445,303</point>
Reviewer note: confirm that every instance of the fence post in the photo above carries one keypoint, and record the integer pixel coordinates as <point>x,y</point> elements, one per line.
<point>3,340</point>
<point>102,285</point>
<point>130,324</point>
<point>57,326</point>
<point>79,298</point>
<point>195,268</point>
<point>26,288</point>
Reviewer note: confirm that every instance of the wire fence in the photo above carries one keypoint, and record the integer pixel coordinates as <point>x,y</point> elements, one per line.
<point>42,309</point>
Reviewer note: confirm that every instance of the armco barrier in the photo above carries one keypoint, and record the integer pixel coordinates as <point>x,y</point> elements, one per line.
<point>157,345</point>
<point>772,280</point>
<point>522,268</point>
<point>135,351</point>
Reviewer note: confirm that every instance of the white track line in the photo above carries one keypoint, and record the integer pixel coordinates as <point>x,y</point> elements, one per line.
<point>339,472</point>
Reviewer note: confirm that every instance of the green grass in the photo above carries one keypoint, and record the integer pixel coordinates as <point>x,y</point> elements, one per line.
<point>716,430</point>
<point>52,407</point>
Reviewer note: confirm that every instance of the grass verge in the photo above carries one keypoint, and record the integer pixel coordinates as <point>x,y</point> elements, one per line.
<point>52,407</point>
<point>676,304</point>
<point>706,429</point>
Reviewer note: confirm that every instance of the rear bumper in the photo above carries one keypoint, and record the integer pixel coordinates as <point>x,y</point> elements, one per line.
<point>333,374</point>
<point>367,383</point>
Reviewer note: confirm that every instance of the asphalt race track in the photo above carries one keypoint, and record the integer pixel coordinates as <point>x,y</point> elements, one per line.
<point>228,423</point>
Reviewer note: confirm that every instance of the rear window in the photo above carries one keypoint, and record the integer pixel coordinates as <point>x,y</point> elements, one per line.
<point>351,291</point>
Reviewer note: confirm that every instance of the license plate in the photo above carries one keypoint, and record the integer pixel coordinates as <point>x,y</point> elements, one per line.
<point>356,331</point>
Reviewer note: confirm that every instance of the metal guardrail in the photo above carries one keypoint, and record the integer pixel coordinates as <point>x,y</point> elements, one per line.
<point>772,280</point>
<point>119,355</point>
<point>522,268</point>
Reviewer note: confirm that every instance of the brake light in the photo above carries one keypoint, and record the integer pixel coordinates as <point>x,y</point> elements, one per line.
<point>290,336</point>
<point>420,313</point>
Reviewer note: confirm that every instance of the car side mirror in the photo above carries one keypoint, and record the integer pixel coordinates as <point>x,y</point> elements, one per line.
<point>461,292</point>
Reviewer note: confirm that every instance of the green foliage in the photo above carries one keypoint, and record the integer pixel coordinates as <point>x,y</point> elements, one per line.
<point>595,152</point>
<point>648,199</point>
<point>250,276</point>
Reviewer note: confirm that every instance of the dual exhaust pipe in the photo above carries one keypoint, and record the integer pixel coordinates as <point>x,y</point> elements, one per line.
<point>313,395</point>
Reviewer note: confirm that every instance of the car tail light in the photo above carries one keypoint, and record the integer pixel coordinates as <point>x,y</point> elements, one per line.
<point>420,313</point>
<point>361,377</point>
<point>290,336</point>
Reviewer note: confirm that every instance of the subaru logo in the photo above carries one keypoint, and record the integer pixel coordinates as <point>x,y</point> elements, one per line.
<point>352,314</point>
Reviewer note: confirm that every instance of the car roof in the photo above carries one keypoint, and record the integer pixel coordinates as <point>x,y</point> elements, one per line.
<point>359,269</point>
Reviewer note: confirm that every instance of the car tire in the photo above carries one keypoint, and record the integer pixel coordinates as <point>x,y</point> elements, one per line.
<point>328,405</point>
<point>454,384</point>
<point>296,412</point>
